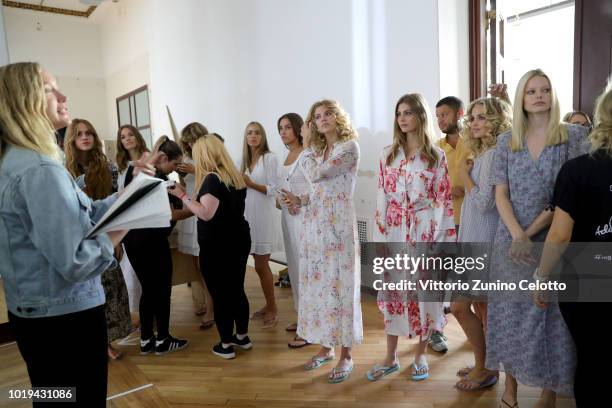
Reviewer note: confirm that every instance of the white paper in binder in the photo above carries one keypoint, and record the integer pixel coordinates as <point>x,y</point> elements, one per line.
<point>143,204</point>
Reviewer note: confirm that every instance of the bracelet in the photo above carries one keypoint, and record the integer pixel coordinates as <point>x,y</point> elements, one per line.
<point>538,277</point>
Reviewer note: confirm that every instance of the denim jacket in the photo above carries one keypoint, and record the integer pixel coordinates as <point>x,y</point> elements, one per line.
<point>47,265</point>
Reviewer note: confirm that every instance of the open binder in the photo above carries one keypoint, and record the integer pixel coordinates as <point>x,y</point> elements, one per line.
<point>143,204</point>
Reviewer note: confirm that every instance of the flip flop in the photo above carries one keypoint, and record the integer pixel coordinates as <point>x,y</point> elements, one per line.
<point>489,381</point>
<point>416,369</point>
<point>258,315</point>
<point>291,327</point>
<point>296,338</point>
<point>383,370</point>
<point>464,371</point>
<point>338,376</point>
<point>316,362</point>
<point>207,324</point>
<point>515,405</point>
<point>268,324</point>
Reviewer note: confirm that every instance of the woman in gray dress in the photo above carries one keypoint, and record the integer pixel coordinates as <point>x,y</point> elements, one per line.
<point>533,346</point>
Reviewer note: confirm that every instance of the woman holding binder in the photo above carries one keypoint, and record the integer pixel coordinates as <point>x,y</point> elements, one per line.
<point>219,206</point>
<point>97,176</point>
<point>51,273</point>
<point>151,259</point>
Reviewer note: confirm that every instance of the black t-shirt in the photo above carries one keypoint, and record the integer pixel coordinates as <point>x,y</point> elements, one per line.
<point>228,223</point>
<point>584,190</point>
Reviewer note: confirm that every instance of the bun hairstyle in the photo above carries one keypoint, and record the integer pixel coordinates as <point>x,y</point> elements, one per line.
<point>168,147</point>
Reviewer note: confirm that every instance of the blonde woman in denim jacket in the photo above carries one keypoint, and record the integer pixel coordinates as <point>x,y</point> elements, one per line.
<point>51,273</point>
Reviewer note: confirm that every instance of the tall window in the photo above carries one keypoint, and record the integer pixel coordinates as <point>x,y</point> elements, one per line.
<point>133,109</point>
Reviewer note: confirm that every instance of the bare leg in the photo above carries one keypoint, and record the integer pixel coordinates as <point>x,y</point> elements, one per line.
<point>548,399</point>
<point>472,326</point>
<point>208,302</point>
<point>262,266</point>
<point>510,391</point>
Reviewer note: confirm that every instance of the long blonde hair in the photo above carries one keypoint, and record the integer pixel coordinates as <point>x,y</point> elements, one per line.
<point>601,136</point>
<point>344,127</point>
<point>556,132</point>
<point>420,109</point>
<point>499,119</point>
<point>211,156</point>
<point>98,178</point>
<point>23,121</point>
<point>263,148</point>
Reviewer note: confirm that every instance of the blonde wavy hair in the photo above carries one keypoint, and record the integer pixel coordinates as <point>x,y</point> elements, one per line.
<point>98,178</point>
<point>23,121</point>
<point>344,126</point>
<point>499,119</point>
<point>556,132</point>
<point>424,131</point>
<point>263,148</point>
<point>190,134</point>
<point>211,156</point>
<point>601,136</point>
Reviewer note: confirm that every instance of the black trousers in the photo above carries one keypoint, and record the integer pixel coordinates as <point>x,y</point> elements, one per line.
<point>224,278</point>
<point>584,320</point>
<point>66,351</point>
<point>151,259</point>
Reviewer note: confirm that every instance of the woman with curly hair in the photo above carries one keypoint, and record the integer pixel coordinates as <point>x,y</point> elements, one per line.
<point>414,205</point>
<point>486,118</point>
<point>97,176</point>
<point>329,301</point>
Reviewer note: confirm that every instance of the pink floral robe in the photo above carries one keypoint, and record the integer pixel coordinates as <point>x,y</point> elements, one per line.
<point>413,206</point>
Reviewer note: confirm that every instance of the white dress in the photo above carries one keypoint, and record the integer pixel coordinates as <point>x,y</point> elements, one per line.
<point>187,228</point>
<point>291,178</point>
<point>131,280</point>
<point>260,209</point>
<point>329,306</point>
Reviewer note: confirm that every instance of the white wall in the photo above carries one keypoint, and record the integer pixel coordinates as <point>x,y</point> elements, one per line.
<point>68,47</point>
<point>124,48</point>
<point>227,62</point>
<point>4,55</point>
<point>453,23</point>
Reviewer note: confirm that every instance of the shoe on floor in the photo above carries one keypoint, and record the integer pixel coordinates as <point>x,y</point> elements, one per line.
<point>437,342</point>
<point>244,344</point>
<point>168,345</point>
<point>147,346</point>
<point>226,353</point>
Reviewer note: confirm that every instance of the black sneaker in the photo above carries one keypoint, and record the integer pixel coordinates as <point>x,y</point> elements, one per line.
<point>244,344</point>
<point>226,353</point>
<point>147,346</point>
<point>168,345</point>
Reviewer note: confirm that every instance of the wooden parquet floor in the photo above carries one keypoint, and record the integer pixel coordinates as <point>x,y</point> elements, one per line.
<point>271,375</point>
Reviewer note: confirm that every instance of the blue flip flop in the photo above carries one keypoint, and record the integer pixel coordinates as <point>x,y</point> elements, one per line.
<point>316,362</point>
<point>419,377</point>
<point>383,370</point>
<point>340,375</point>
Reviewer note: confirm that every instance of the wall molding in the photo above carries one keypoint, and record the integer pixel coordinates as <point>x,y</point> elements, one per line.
<point>45,9</point>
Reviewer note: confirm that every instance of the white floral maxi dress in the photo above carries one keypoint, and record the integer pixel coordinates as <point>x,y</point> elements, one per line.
<point>413,206</point>
<point>329,305</point>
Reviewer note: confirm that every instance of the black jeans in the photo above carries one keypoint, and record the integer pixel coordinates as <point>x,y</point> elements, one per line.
<point>151,259</point>
<point>66,351</point>
<point>584,320</point>
<point>224,278</point>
